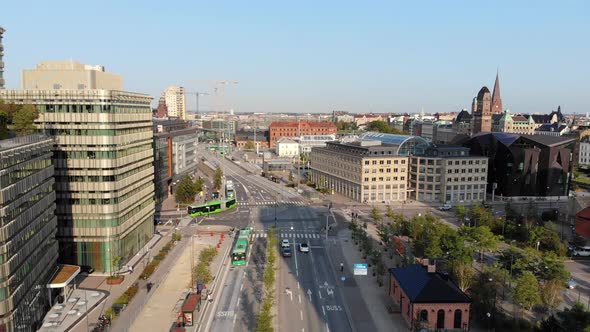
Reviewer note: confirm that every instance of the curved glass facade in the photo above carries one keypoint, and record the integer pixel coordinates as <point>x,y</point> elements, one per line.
<point>407,144</point>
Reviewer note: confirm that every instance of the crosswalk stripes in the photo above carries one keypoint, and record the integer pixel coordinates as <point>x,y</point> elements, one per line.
<point>263,234</point>
<point>267,203</point>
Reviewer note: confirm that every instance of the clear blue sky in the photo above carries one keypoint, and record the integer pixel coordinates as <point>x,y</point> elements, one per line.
<point>317,56</point>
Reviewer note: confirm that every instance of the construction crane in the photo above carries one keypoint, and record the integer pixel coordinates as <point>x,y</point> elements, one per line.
<point>197,94</point>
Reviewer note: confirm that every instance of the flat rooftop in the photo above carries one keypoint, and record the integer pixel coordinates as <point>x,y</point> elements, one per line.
<point>64,275</point>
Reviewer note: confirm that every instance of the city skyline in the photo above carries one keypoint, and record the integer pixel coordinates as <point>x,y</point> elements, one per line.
<point>318,58</point>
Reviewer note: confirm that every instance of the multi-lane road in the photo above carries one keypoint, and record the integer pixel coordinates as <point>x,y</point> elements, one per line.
<point>308,299</point>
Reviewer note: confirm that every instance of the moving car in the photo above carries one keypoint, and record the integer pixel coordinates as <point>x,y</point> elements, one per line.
<point>445,207</point>
<point>286,252</point>
<point>303,247</point>
<point>571,283</point>
<point>285,243</point>
<point>582,251</point>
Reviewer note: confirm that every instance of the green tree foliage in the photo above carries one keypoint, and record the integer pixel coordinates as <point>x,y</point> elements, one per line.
<point>526,290</point>
<point>575,319</point>
<point>460,211</point>
<point>480,238</point>
<point>376,215</point>
<point>545,266</point>
<point>249,145</point>
<point>463,275</point>
<point>24,120</point>
<point>185,191</point>
<point>198,185</point>
<point>382,127</point>
<point>345,126</point>
<point>548,240</point>
<point>218,178</point>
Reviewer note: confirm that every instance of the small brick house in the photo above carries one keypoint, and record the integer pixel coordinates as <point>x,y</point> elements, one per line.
<point>429,300</point>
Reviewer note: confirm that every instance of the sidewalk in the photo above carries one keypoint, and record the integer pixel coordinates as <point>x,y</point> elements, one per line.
<point>165,304</point>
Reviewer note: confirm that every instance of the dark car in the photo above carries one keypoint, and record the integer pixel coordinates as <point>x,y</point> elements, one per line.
<point>287,252</point>
<point>86,269</point>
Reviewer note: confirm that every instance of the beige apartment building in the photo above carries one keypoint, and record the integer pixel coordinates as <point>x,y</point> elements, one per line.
<point>28,248</point>
<point>69,75</point>
<point>366,171</point>
<point>103,158</point>
<point>448,174</point>
<point>175,102</point>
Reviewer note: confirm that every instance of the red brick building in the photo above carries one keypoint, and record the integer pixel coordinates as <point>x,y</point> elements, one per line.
<point>429,300</point>
<point>279,129</point>
<point>583,223</point>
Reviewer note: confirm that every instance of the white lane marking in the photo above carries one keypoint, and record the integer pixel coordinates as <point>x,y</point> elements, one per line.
<point>327,328</point>
<point>296,266</point>
<point>324,310</point>
<point>235,316</point>
<point>299,298</point>
<point>298,285</point>
<point>320,293</point>
<point>238,303</point>
<point>242,287</point>
<point>301,314</point>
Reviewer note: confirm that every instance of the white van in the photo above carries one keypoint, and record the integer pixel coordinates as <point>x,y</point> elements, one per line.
<point>582,251</point>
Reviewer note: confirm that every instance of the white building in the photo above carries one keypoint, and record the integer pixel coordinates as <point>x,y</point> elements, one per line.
<point>286,147</point>
<point>69,75</point>
<point>184,151</point>
<point>306,142</point>
<point>175,102</point>
<point>584,161</point>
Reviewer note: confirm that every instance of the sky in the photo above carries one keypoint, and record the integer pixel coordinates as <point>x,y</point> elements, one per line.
<point>318,56</point>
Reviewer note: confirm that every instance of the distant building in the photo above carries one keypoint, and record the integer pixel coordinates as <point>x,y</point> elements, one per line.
<point>290,129</point>
<point>286,147</point>
<point>175,102</point>
<point>447,174</point>
<point>443,133</point>
<point>69,75</point>
<point>307,142</point>
<point>526,165</point>
<point>583,223</point>
<point>584,154</point>
<point>554,129</point>
<point>162,110</point>
<point>484,105</point>
<point>222,129</point>
<point>462,123</point>
<point>366,171</point>
<point>362,120</point>
<point>243,137</point>
<point>429,300</point>
<point>27,231</point>
<point>1,59</point>
<point>517,124</point>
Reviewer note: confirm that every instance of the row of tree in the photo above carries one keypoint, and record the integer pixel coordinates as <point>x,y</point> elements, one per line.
<point>265,315</point>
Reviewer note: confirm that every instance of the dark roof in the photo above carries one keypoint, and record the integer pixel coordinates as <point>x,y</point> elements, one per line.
<point>463,116</point>
<point>482,91</point>
<point>548,140</point>
<point>423,287</point>
<point>584,214</point>
<point>552,127</point>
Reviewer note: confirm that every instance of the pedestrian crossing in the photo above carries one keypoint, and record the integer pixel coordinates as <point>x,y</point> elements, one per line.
<point>289,235</point>
<point>271,203</point>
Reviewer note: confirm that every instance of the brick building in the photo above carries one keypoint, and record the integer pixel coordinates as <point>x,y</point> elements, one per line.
<point>279,129</point>
<point>429,300</point>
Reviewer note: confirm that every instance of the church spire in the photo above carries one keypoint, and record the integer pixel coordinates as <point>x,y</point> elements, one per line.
<point>496,99</point>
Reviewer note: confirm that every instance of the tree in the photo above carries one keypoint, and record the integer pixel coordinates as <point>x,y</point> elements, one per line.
<point>24,120</point>
<point>480,237</point>
<point>547,239</point>
<point>376,215</point>
<point>218,178</point>
<point>463,274</point>
<point>198,185</point>
<point>460,211</point>
<point>575,319</point>
<point>389,213</point>
<point>551,293</point>
<point>382,127</point>
<point>185,191</point>
<point>526,290</point>
<point>249,145</point>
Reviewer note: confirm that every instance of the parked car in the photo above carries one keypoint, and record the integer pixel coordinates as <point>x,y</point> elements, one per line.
<point>572,283</point>
<point>445,207</point>
<point>285,243</point>
<point>303,247</point>
<point>286,252</point>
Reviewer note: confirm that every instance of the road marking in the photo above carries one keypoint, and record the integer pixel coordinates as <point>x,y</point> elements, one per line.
<point>225,313</point>
<point>320,292</point>
<point>299,298</point>
<point>298,285</point>
<point>324,310</point>
<point>235,316</point>
<point>301,314</point>
<point>238,303</point>
<point>327,328</point>
<point>242,287</point>
<point>309,294</point>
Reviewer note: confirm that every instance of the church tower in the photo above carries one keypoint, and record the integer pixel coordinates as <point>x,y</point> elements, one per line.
<point>482,117</point>
<point>496,99</point>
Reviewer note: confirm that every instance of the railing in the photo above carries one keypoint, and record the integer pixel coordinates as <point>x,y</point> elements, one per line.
<point>10,143</point>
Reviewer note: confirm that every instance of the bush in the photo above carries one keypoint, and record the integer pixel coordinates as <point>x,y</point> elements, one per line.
<point>110,313</point>
<point>123,299</point>
<point>176,237</point>
<point>132,291</point>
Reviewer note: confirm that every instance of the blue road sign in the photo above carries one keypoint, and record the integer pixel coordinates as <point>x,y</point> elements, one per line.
<point>360,269</point>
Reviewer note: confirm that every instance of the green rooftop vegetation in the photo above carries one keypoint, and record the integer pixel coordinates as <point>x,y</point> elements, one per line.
<point>17,120</point>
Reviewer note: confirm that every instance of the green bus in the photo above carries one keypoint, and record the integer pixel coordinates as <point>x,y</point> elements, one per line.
<point>230,203</point>
<point>204,209</point>
<point>240,250</point>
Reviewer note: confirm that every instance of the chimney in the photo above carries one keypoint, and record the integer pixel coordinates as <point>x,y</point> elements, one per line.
<point>431,268</point>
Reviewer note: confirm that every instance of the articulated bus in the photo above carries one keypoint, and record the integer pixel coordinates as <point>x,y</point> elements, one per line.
<point>211,207</point>
<point>240,250</point>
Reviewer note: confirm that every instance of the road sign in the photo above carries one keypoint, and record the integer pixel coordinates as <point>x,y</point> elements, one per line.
<point>343,278</point>
<point>360,269</point>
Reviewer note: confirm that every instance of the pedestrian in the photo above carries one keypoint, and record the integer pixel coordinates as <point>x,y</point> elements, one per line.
<point>341,267</point>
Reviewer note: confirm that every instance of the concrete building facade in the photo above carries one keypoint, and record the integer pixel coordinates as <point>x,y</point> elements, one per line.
<point>175,102</point>
<point>1,59</point>
<point>365,171</point>
<point>448,174</point>
<point>103,159</point>
<point>28,250</point>
<point>292,129</point>
<point>287,148</point>
<point>69,75</point>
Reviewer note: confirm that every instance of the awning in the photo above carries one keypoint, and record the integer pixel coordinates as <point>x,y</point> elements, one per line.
<point>64,275</point>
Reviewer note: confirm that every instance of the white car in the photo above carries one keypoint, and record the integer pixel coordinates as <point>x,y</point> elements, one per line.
<point>303,247</point>
<point>445,207</point>
<point>285,243</point>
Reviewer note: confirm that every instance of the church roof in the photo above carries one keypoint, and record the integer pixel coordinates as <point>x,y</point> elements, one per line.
<point>463,116</point>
